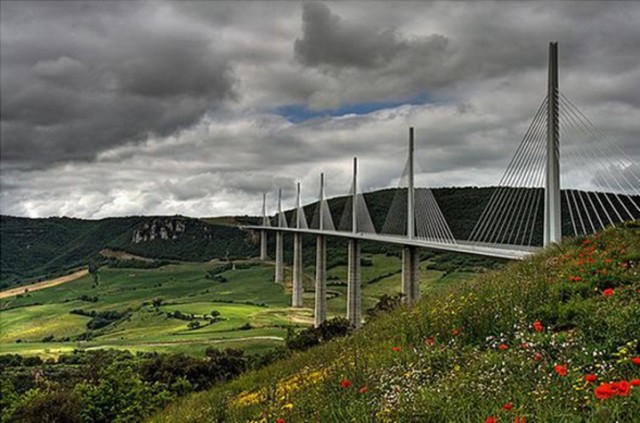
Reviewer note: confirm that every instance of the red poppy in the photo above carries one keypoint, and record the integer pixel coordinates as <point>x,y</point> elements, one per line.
<point>590,378</point>
<point>622,387</point>
<point>634,382</point>
<point>635,360</point>
<point>281,420</point>
<point>607,292</point>
<point>395,349</point>
<point>605,391</point>
<point>524,345</point>
<point>519,419</point>
<point>508,406</point>
<point>363,390</point>
<point>537,326</point>
<point>561,369</point>
<point>537,356</point>
<point>430,341</point>
<point>345,383</point>
<point>503,347</point>
<point>490,419</point>
<point>455,332</point>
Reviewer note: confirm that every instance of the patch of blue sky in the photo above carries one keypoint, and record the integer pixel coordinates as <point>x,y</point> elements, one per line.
<point>296,113</point>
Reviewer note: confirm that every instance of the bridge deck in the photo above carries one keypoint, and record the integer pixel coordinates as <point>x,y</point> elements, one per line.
<point>513,252</point>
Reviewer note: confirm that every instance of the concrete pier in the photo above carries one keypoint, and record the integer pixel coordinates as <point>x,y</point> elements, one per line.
<point>279,258</point>
<point>263,246</point>
<point>410,275</point>
<point>297,289</point>
<point>320,309</point>
<point>354,295</point>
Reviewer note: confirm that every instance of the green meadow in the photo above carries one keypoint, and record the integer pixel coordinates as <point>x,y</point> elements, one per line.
<point>169,309</point>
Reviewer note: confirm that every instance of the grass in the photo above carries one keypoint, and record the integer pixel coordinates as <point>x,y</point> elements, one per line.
<point>468,351</point>
<point>249,297</point>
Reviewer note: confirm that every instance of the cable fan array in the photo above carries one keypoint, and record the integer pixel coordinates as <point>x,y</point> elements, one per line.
<point>514,213</point>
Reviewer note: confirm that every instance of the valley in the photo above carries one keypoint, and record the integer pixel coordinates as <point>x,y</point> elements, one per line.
<point>179,308</point>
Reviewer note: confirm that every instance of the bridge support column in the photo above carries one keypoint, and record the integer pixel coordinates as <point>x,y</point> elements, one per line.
<point>410,274</point>
<point>296,300</point>
<point>279,258</point>
<point>552,215</point>
<point>354,296</point>
<point>263,245</point>
<point>320,311</point>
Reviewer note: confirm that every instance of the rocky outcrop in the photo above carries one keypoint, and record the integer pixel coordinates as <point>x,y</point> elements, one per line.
<point>160,228</point>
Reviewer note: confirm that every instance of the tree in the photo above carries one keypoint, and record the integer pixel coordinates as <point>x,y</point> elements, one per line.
<point>93,271</point>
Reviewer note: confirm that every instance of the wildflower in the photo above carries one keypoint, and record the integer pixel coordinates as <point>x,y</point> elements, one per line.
<point>363,390</point>
<point>281,420</point>
<point>634,382</point>
<point>635,360</point>
<point>605,391</point>
<point>345,383</point>
<point>519,419</point>
<point>524,346</point>
<point>590,378</point>
<point>490,419</point>
<point>561,369</point>
<point>607,292</point>
<point>537,356</point>
<point>288,406</point>
<point>430,341</point>
<point>537,326</point>
<point>455,332</point>
<point>508,406</point>
<point>622,388</point>
<point>395,349</point>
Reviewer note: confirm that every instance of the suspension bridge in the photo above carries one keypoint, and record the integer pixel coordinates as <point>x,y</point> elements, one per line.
<point>529,196</point>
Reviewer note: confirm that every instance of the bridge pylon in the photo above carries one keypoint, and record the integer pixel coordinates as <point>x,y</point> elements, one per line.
<point>552,223</point>
<point>297,283</point>
<point>263,233</point>
<point>282,222</point>
<point>320,304</point>
<point>354,282</point>
<point>410,254</point>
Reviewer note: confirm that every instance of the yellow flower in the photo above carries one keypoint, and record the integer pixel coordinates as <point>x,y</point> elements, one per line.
<point>287,406</point>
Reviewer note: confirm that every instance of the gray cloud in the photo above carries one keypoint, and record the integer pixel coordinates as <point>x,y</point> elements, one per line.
<point>326,40</point>
<point>115,108</point>
<point>101,76</point>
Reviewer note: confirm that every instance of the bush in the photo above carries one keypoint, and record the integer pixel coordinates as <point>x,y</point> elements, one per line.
<point>329,329</point>
<point>51,406</point>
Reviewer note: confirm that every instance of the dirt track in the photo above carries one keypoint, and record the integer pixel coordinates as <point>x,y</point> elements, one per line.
<point>44,284</point>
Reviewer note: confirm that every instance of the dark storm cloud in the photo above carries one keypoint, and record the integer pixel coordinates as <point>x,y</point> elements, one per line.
<point>327,40</point>
<point>79,78</point>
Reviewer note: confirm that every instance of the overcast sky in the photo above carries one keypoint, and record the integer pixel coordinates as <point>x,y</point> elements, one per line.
<point>197,108</point>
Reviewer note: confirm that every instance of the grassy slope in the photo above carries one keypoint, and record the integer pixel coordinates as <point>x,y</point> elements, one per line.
<point>465,375</point>
<point>182,287</point>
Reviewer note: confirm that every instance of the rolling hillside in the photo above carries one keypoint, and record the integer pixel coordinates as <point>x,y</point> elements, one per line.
<point>553,338</point>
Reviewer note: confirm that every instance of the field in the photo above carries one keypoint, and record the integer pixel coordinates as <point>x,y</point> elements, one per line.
<point>169,309</point>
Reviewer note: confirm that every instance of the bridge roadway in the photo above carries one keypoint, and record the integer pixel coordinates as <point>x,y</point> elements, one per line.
<point>505,251</point>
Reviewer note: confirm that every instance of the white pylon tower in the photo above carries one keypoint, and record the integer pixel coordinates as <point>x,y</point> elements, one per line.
<point>354,300</point>
<point>552,216</point>
<point>297,285</point>
<point>282,222</point>
<point>410,253</point>
<point>263,233</point>
<point>320,308</point>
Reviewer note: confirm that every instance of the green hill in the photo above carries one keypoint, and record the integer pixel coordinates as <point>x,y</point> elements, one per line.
<point>36,249</point>
<point>509,345</point>
<point>42,248</point>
